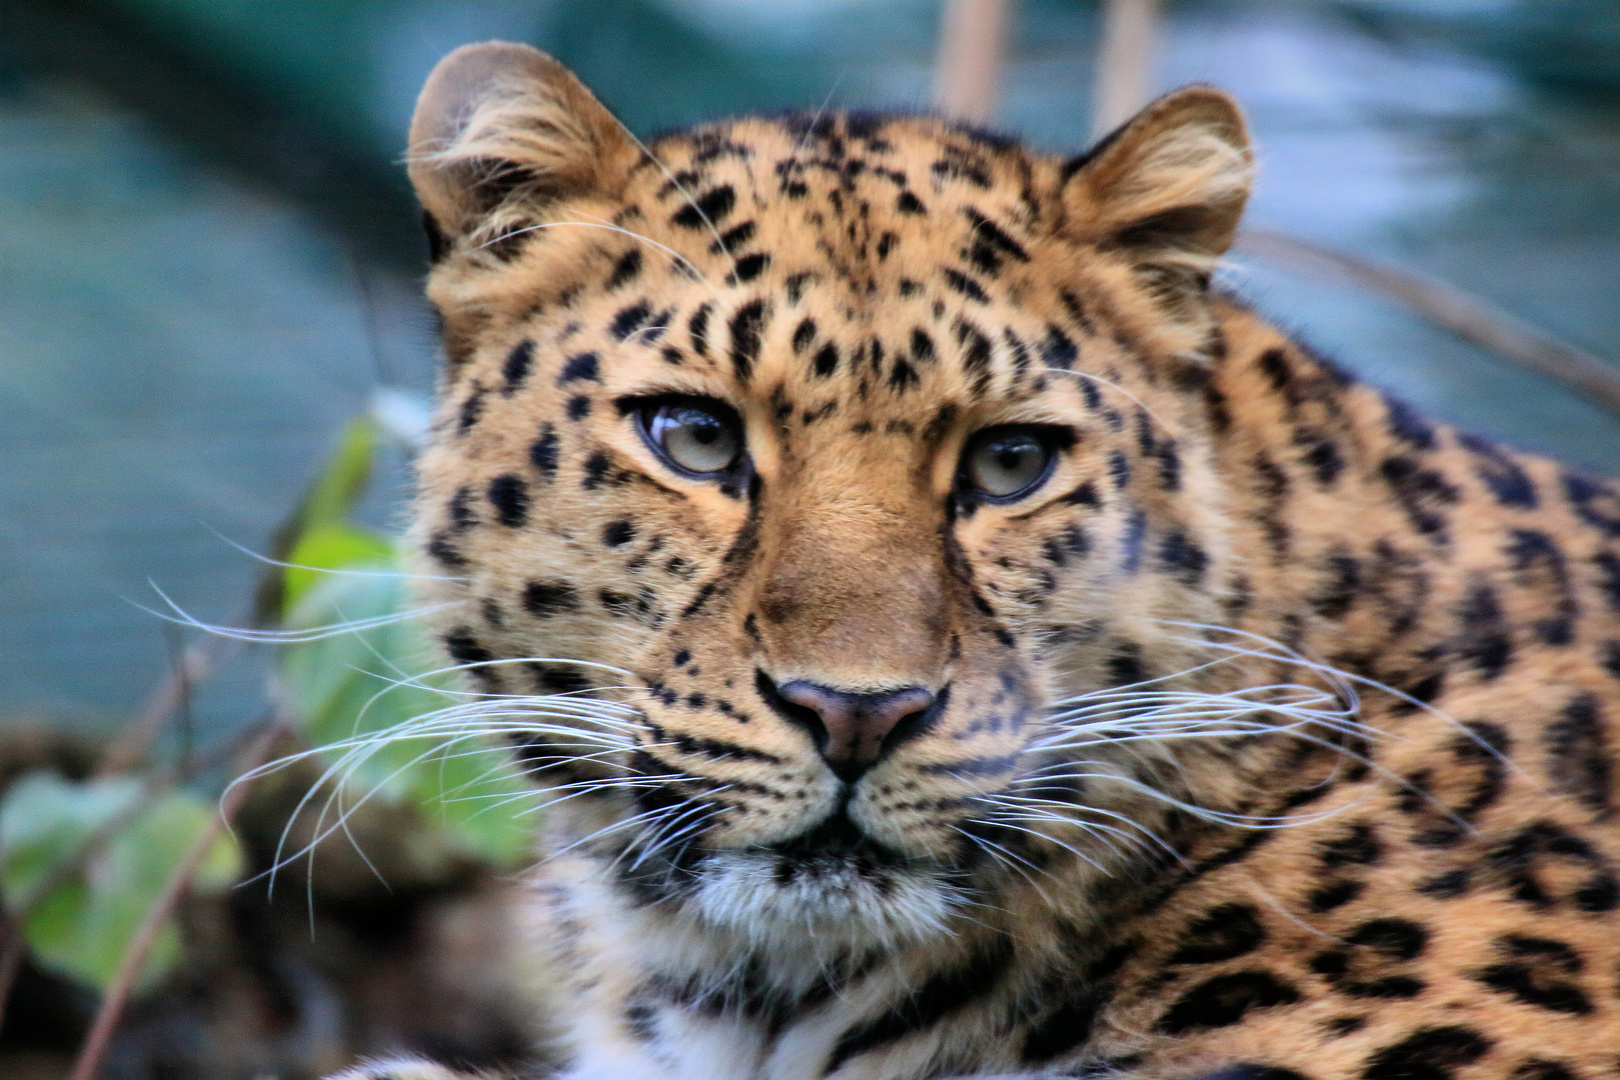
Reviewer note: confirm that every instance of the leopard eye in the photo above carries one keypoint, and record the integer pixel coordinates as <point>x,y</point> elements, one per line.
<point>694,436</point>
<point>1004,464</point>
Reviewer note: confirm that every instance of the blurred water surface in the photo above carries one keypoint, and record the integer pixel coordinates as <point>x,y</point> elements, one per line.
<point>180,340</point>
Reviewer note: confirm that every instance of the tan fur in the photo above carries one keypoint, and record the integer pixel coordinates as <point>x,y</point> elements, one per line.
<point>1425,888</point>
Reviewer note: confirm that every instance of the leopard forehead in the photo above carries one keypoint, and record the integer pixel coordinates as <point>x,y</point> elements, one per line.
<point>864,290</point>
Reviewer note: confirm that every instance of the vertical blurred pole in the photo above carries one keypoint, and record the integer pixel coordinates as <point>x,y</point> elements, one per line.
<point>967,73</point>
<point>1130,38</point>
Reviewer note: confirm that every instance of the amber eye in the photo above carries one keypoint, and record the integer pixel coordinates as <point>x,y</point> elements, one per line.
<point>1004,464</point>
<point>694,436</point>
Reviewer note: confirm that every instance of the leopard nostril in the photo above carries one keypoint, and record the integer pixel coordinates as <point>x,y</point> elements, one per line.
<point>852,730</point>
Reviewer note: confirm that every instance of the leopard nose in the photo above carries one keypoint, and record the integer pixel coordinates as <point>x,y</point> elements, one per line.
<point>853,731</point>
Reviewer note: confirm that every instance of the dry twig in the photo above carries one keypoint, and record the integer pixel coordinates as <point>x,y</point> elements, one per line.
<point>1130,39</point>
<point>967,75</point>
<point>1468,316</point>
<point>134,958</point>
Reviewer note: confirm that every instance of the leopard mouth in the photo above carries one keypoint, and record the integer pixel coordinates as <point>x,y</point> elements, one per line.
<point>837,843</point>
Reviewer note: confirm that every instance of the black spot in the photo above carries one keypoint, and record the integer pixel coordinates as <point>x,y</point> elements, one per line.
<point>1273,364</point>
<point>1595,501</point>
<point>734,237</point>
<point>1395,939</point>
<point>578,368</point>
<point>510,497</point>
<point>625,270</point>
<point>975,352</point>
<point>545,598</point>
<point>596,467</point>
<point>1405,424</point>
<point>707,209</point>
<point>804,335</point>
<point>907,203</point>
<point>698,329</point>
<point>1358,846</point>
<point>1446,886</point>
<point>749,267</point>
<point>1539,568</point>
<point>1335,894</point>
<point>989,245</point>
<point>747,327</point>
<point>1500,474</point>
<point>442,550</point>
<point>965,285</point>
<point>466,649</point>
<point>460,511</point>
<point>1130,545</point>
<point>1224,1000</point>
<point>543,451</point>
<point>1483,637</point>
<point>922,346</point>
<point>1531,972</point>
<point>1058,351</point>
<point>630,319</point>
<point>1343,578</point>
<point>826,361</point>
<point>1180,556</point>
<point>1427,1054</point>
<point>1523,861</point>
<point>472,407</point>
<point>1119,469</point>
<point>516,367</point>
<point>1580,761</point>
<point>887,243</point>
<point>618,533</point>
<point>1321,455</point>
<point>1422,493</point>
<point>1478,754</point>
<point>903,376</point>
<point>1225,932</point>
<point>579,407</point>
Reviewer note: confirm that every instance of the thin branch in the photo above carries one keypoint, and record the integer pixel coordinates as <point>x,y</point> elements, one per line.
<point>967,73</point>
<point>12,947</point>
<point>140,946</point>
<point>1130,39</point>
<point>1468,316</point>
<point>13,940</point>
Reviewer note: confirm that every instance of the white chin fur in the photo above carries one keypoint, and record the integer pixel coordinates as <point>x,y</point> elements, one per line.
<point>827,908</point>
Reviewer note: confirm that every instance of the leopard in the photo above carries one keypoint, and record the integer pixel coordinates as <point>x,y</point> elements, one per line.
<point>959,636</point>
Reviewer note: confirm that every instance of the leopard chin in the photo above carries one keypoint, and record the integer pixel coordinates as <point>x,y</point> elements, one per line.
<point>841,903</point>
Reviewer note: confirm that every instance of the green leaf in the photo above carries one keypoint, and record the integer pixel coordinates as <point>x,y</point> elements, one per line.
<point>332,546</point>
<point>83,928</point>
<point>356,694</point>
<point>345,476</point>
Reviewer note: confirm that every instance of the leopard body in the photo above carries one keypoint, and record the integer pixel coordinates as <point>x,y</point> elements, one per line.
<point>1271,734</point>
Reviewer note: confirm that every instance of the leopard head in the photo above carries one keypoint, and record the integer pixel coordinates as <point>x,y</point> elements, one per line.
<point>843,455</point>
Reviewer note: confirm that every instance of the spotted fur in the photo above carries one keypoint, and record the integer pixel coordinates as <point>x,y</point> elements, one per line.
<point>1411,875</point>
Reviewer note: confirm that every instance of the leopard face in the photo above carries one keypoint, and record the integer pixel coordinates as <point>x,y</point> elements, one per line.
<point>843,451</point>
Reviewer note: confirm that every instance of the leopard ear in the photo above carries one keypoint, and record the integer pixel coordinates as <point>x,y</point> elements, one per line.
<point>1167,187</point>
<point>499,124</point>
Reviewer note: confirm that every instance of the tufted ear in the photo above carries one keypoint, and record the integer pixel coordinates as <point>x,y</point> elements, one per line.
<point>498,124</point>
<point>1168,186</point>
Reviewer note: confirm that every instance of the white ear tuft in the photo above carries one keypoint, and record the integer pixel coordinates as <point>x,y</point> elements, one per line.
<point>498,122</point>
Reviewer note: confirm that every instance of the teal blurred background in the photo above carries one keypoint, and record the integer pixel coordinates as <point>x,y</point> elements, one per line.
<point>209,257</point>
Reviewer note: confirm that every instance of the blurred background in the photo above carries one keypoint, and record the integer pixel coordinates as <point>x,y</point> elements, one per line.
<point>209,266</point>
